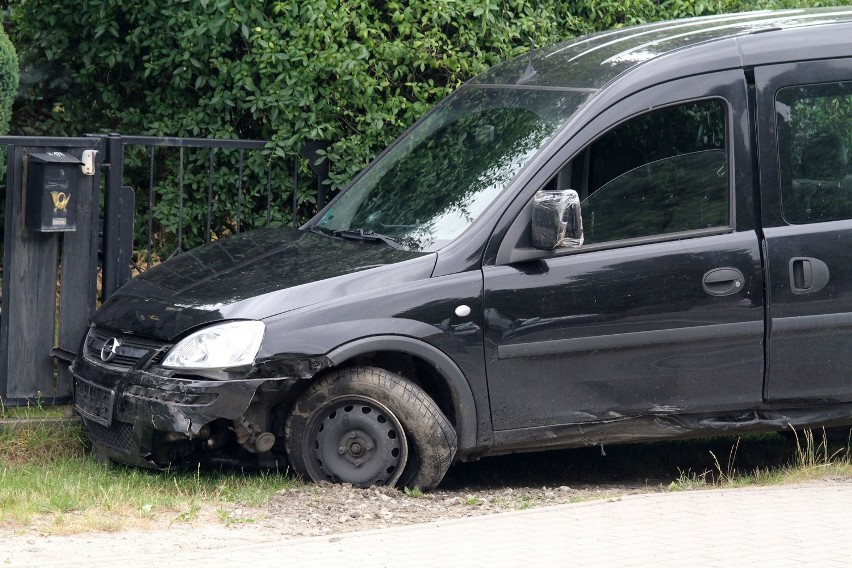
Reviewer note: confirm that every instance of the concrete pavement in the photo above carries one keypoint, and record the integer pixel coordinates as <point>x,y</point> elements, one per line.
<point>807,524</point>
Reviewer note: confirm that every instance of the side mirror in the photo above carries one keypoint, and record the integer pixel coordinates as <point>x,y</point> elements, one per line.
<point>556,220</point>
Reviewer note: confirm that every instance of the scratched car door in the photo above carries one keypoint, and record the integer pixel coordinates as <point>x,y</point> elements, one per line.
<point>661,310</point>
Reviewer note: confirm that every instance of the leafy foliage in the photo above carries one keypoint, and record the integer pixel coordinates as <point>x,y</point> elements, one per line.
<point>8,80</point>
<point>351,72</point>
<point>8,88</point>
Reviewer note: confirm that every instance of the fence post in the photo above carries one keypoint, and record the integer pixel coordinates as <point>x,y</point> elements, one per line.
<point>311,153</point>
<point>117,252</point>
<point>29,327</point>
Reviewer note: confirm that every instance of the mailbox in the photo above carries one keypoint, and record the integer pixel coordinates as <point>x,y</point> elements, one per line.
<point>51,201</point>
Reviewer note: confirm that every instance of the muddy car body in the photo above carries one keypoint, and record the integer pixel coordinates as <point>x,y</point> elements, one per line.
<point>447,305</point>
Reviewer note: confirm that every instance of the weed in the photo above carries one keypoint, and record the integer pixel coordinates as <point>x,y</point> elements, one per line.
<point>688,479</point>
<point>416,492</point>
<point>811,459</point>
<point>472,500</point>
<point>231,518</point>
<point>32,410</point>
<point>190,514</point>
<point>729,473</point>
<point>40,442</point>
<point>813,455</point>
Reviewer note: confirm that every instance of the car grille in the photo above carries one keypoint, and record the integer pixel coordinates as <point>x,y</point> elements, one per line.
<point>118,437</point>
<point>129,352</point>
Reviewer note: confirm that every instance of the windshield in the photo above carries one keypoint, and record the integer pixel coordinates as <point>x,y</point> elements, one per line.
<point>436,181</point>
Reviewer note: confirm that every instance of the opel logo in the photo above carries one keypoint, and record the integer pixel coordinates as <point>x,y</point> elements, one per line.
<point>110,349</point>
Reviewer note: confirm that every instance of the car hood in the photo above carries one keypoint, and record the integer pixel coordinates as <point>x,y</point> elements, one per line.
<point>254,275</point>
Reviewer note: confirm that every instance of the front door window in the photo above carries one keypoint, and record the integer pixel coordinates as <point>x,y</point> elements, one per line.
<point>663,172</point>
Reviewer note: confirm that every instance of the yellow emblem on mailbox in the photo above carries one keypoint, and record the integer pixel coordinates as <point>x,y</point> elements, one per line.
<point>60,200</point>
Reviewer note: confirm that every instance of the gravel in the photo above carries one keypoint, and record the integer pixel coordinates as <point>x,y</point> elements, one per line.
<point>324,508</point>
<point>493,485</point>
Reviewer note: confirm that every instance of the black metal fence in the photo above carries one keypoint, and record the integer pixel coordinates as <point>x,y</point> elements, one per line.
<point>189,191</point>
<point>150,198</point>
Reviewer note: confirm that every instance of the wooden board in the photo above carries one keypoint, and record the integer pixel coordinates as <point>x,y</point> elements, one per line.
<point>30,324</point>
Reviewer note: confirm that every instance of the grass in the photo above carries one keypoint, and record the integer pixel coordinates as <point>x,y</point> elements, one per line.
<point>682,464</point>
<point>48,479</point>
<point>816,456</point>
<point>32,411</point>
<point>472,500</point>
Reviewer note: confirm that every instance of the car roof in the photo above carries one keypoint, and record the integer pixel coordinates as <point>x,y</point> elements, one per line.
<point>591,62</point>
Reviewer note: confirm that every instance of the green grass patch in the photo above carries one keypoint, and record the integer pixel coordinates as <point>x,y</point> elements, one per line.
<point>814,455</point>
<point>39,441</point>
<point>684,464</point>
<point>33,411</point>
<point>48,479</point>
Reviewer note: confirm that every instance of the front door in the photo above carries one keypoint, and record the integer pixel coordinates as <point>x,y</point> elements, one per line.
<point>661,310</point>
<point>805,132</point>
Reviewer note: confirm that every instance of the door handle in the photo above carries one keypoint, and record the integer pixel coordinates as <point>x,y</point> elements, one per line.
<point>723,281</point>
<point>807,274</point>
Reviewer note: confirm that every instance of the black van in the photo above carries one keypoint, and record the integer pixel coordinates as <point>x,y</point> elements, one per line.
<point>640,234</point>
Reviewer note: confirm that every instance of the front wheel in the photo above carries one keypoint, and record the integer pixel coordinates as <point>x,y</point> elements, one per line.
<point>367,426</point>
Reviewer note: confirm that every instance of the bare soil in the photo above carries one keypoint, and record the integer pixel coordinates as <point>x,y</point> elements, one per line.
<point>326,509</point>
<point>308,510</point>
<point>511,483</point>
<point>492,485</point>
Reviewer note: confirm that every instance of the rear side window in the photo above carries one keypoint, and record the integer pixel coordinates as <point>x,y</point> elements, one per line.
<point>814,136</point>
<point>663,172</point>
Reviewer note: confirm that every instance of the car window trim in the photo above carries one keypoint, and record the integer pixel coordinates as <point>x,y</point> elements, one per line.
<point>526,254</point>
<point>726,85</point>
<point>522,222</point>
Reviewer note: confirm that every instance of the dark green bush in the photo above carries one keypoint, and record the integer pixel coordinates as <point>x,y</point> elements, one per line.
<point>8,88</point>
<point>352,72</point>
<point>8,80</point>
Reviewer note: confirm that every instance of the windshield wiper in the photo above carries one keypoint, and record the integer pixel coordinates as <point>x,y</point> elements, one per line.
<point>365,236</point>
<point>321,231</point>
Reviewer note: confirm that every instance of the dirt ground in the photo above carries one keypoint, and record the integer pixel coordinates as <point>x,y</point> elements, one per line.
<point>325,509</point>
<point>310,510</point>
<point>492,485</point>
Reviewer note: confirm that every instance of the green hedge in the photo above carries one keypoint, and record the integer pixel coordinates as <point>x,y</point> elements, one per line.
<point>353,72</point>
<point>8,89</point>
<point>8,80</point>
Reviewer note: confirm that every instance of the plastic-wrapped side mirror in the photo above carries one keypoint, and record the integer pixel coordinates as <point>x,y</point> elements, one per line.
<point>556,220</point>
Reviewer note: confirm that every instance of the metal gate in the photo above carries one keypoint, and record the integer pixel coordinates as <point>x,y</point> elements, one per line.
<point>52,276</point>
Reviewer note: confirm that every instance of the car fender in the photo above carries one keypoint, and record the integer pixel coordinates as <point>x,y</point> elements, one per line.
<point>465,408</point>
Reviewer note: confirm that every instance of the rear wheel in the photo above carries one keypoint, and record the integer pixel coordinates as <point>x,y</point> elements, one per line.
<point>367,426</point>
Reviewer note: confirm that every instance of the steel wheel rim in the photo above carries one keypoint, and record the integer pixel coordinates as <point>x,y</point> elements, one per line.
<point>357,440</point>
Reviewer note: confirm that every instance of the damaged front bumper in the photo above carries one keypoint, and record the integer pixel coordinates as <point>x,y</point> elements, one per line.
<point>156,420</point>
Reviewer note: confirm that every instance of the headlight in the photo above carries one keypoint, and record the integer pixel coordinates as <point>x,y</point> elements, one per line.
<point>230,344</point>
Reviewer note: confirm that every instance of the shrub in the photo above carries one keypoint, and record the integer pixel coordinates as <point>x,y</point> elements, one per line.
<point>351,72</point>
<point>8,89</point>
<point>8,80</point>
